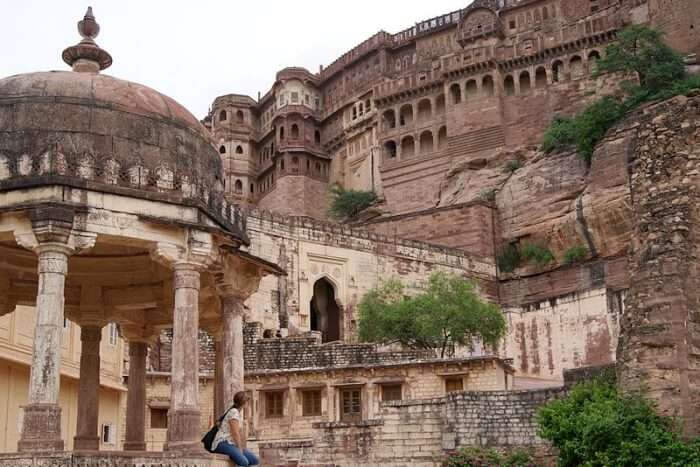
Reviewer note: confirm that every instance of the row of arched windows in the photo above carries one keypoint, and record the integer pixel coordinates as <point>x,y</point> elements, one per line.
<point>318,168</point>
<point>409,147</point>
<point>238,150</point>
<point>240,117</point>
<point>406,114</point>
<point>521,83</point>
<point>294,133</point>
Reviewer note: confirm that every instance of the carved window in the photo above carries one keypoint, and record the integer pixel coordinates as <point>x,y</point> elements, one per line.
<point>295,131</point>
<point>454,384</point>
<point>239,150</point>
<point>238,187</point>
<point>391,392</point>
<point>274,404</point>
<point>222,149</point>
<point>109,434</point>
<point>239,116</point>
<point>351,405</point>
<point>222,116</point>
<point>311,403</point>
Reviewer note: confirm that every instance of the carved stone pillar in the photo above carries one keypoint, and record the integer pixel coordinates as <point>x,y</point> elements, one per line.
<point>87,438</point>
<point>232,347</point>
<point>218,378</point>
<point>136,398</point>
<point>41,427</point>
<point>184,415</point>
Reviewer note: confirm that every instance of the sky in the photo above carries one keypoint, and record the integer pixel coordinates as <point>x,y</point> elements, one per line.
<point>196,50</point>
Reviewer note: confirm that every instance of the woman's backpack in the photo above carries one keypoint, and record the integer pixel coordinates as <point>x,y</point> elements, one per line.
<point>208,438</point>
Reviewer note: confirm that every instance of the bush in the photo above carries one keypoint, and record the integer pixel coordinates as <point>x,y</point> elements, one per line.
<point>508,259</point>
<point>478,457</point>
<point>346,204</point>
<point>575,254</point>
<point>512,166</point>
<point>540,255</point>
<point>595,426</point>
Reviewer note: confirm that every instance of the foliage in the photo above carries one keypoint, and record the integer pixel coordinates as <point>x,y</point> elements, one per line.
<point>660,72</point>
<point>447,313</point>
<point>478,457</point>
<point>512,166</point>
<point>595,426</point>
<point>509,258</point>
<point>575,254</point>
<point>641,50</point>
<point>586,129</point>
<point>538,254</point>
<point>346,204</point>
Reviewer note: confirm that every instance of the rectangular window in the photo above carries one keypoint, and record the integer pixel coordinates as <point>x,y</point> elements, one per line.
<point>351,405</point>
<point>391,392</point>
<point>295,97</point>
<point>274,404</point>
<point>159,418</point>
<point>108,434</point>
<point>454,384</point>
<point>311,403</point>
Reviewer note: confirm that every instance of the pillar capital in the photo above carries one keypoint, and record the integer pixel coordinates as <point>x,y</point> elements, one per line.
<point>237,279</point>
<point>197,252</point>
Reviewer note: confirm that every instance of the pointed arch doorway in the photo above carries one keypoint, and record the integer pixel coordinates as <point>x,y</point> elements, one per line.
<point>325,312</point>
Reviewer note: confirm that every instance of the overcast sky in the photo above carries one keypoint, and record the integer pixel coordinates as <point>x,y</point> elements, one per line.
<point>196,50</point>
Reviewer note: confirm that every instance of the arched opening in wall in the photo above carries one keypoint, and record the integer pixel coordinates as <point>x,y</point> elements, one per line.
<point>442,138</point>
<point>487,85</point>
<point>390,150</point>
<point>425,109</point>
<point>557,71</point>
<point>440,104</point>
<point>238,187</point>
<point>593,58</point>
<point>317,137</point>
<point>545,13</point>
<point>222,116</point>
<point>281,164</point>
<point>295,131</point>
<point>239,150</point>
<point>456,93</point>
<point>471,89</point>
<point>222,149</point>
<point>426,142</point>
<point>408,147</point>
<point>406,115</point>
<point>509,86</point>
<point>525,82</point>
<point>576,67</point>
<point>252,188</point>
<point>281,132</point>
<point>540,77</point>
<point>325,312</point>
<point>389,119</point>
<point>239,116</point>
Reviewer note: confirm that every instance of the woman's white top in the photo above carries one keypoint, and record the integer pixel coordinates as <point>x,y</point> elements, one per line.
<point>224,433</point>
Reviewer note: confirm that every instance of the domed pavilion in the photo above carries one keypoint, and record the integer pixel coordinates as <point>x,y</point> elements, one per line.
<point>112,210</point>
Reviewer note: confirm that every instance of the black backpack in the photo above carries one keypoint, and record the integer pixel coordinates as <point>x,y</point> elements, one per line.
<point>211,434</point>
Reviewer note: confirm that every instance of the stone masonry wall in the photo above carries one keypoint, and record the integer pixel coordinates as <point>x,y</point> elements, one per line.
<point>660,337</point>
<point>422,432</point>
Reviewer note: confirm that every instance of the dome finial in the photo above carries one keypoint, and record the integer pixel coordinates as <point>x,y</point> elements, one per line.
<point>87,56</point>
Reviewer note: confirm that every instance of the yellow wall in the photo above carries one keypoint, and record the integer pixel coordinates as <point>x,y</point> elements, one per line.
<point>16,340</point>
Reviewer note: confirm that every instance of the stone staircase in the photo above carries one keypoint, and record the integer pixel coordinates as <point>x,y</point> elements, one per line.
<point>475,141</point>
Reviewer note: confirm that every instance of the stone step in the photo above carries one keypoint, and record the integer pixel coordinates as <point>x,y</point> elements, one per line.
<point>475,141</point>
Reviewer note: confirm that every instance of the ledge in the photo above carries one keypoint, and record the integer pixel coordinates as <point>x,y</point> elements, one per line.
<point>342,425</point>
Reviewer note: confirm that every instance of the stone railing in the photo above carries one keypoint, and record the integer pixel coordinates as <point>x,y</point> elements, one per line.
<point>108,174</point>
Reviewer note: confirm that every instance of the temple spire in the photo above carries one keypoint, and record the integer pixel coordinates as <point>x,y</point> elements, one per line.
<point>87,56</point>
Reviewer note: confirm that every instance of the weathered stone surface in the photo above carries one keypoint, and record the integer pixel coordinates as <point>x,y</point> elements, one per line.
<point>658,349</point>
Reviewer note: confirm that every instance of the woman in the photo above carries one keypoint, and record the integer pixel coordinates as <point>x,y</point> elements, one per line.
<point>228,439</point>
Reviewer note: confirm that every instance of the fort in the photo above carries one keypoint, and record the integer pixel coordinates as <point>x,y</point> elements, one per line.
<point>155,264</point>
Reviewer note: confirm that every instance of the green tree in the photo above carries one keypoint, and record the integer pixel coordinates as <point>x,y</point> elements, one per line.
<point>641,50</point>
<point>346,204</point>
<point>594,426</point>
<point>447,313</point>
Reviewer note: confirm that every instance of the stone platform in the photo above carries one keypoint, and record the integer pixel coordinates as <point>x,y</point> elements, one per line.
<point>113,459</point>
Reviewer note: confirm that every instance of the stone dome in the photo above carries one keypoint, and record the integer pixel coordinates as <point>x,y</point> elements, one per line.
<point>85,129</point>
